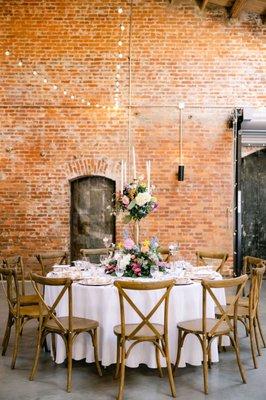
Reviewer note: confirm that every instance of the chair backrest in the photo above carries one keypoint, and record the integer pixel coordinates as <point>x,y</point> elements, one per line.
<point>255,288</point>
<point>11,290</point>
<point>16,262</point>
<point>93,254</point>
<point>145,319</point>
<point>252,262</point>
<point>205,257</point>
<point>225,310</point>
<point>165,252</point>
<point>48,259</point>
<point>49,311</point>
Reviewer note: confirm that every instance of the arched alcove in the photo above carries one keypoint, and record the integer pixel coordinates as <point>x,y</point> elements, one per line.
<point>90,219</point>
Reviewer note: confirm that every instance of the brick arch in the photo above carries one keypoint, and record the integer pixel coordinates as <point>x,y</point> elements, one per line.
<point>94,166</point>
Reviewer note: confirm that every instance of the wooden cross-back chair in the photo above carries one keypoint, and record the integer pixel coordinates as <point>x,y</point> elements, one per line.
<point>18,313</point>
<point>247,312</point>
<point>207,329</point>
<point>249,263</point>
<point>144,331</point>
<point>204,257</point>
<point>68,327</point>
<point>16,262</point>
<point>48,259</point>
<point>94,254</point>
<point>166,254</point>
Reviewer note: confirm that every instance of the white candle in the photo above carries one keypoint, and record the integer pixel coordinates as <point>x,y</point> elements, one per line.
<point>125,173</point>
<point>122,173</point>
<point>149,174</point>
<point>134,163</point>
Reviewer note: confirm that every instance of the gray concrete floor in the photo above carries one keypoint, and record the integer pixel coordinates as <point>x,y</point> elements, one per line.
<point>141,383</point>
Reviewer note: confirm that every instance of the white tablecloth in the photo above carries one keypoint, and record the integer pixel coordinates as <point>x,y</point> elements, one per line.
<point>101,303</point>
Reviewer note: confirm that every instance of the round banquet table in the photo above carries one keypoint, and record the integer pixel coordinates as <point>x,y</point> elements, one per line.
<point>101,303</point>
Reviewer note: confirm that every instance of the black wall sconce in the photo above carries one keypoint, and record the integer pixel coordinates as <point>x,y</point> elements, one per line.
<point>181,167</point>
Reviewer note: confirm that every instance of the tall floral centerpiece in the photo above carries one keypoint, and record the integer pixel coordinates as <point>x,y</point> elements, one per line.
<point>137,202</point>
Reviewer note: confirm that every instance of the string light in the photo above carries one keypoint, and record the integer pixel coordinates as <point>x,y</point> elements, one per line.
<point>65,92</point>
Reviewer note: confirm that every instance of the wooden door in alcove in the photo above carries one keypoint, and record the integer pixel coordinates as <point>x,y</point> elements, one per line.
<point>90,219</point>
<point>253,183</point>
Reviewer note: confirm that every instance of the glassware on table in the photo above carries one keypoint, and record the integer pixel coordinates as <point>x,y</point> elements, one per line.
<point>120,269</point>
<point>154,271</point>
<point>107,241</point>
<point>173,249</point>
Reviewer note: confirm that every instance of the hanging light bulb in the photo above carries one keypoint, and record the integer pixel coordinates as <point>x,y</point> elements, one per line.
<point>65,92</point>
<point>7,53</point>
<point>55,87</point>
<point>82,101</point>
<point>120,55</point>
<point>117,76</point>
<point>120,10</point>
<point>35,73</point>
<point>45,80</point>
<point>122,27</point>
<point>118,66</point>
<point>88,103</point>
<point>72,97</point>
<point>20,63</point>
<point>120,43</point>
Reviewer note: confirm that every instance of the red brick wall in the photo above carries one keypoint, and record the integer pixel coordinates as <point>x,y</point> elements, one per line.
<point>178,53</point>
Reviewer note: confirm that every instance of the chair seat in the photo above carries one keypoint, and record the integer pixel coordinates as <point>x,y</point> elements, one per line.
<point>241,312</point>
<point>243,301</point>
<point>29,299</point>
<point>195,326</point>
<point>144,332</point>
<point>32,311</point>
<point>78,324</point>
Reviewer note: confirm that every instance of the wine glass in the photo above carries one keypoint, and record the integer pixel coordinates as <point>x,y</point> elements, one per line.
<point>154,271</point>
<point>119,270</point>
<point>107,241</point>
<point>173,249</point>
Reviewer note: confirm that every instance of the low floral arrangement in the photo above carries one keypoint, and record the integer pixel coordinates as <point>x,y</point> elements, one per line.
<point>136,260</point>
<point>136,200</point>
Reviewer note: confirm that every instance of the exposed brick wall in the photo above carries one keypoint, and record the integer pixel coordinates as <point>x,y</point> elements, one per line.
<point>178,53</point>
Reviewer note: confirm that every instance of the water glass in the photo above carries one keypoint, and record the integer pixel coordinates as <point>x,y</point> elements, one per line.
<point>119,271</point>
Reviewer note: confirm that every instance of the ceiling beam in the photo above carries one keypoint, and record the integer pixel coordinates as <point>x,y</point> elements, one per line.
<point>237,7</point>
<point>204,4</point>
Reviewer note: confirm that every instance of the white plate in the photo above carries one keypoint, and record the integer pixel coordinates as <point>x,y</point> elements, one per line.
<point>183,281</point>
<point>96,281</point>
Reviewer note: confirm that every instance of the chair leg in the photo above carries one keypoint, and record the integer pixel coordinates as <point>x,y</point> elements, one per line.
<point>7,334</point>
<point>169,368</point>
<point>181,338</point>
<point>205,363</point>
<point>69,362</point>
<point>234,342</point>
<point>256,336</point>
<point>37,354</point>
<point>122,373</point>
<point>209,355</point>
<point>158,361</point>
<point>252,343</point>
<point>16,346</point>
<point>117,369</point>
<point>95,346</point>
<point>260,330</point>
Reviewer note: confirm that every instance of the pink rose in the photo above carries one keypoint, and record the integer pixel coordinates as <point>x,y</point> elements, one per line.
<point>129,244</point>
<point>125,200</point>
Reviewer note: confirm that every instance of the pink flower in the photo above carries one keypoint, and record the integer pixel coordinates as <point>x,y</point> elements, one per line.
<point>129,244</point>
<point>125,200</point>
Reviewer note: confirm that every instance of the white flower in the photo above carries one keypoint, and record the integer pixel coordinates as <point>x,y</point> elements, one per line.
<point>124,261</point>
<point>142,198</point>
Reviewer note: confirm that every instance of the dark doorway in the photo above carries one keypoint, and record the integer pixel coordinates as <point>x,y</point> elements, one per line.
<point>253,181</point>
<point>90,218</point>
